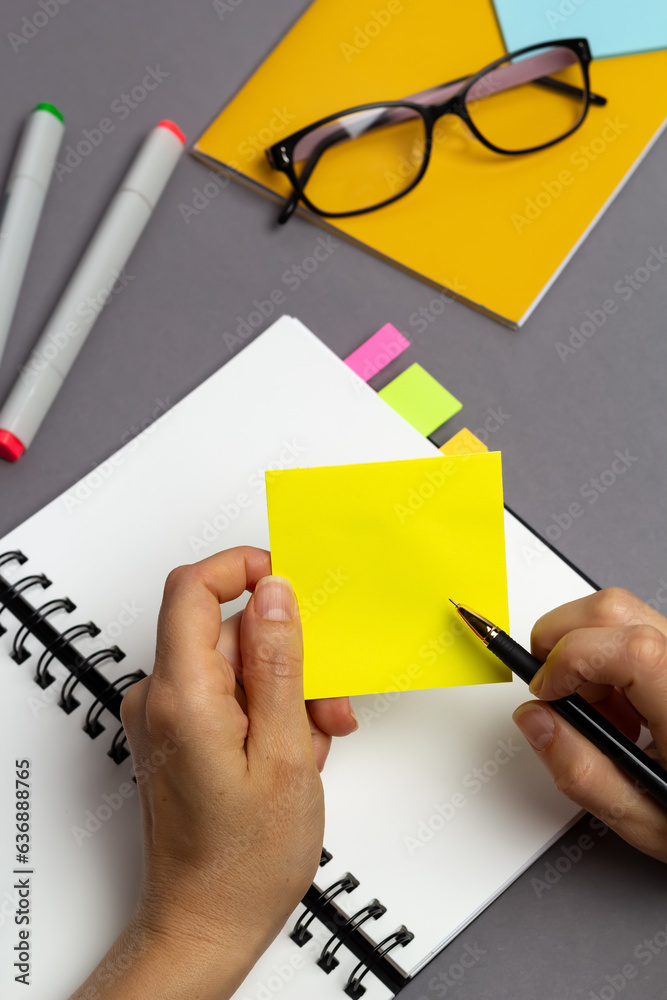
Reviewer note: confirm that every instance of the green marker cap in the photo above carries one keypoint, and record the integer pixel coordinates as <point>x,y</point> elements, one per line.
<point>50,108</point>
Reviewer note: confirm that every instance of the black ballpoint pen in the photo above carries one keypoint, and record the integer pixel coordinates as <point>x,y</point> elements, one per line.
<point>579,713</point>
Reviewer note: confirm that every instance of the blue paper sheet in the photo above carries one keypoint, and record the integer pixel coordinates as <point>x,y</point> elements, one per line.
<point>612,27</point>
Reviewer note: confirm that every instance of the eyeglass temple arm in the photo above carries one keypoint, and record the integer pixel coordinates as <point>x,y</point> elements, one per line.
<point>511,75</point>
<point>325,143</point>
<point>436,94</point>
<point>568,88</point>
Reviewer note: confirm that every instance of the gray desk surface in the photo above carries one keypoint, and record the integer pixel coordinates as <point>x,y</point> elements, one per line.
<point>189,283</point>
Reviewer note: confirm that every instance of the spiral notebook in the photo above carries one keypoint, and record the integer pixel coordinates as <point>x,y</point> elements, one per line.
<point>433,806</point>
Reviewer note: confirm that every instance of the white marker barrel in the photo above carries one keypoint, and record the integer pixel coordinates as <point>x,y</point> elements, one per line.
<point>21,208</point>
<point>89,289</point>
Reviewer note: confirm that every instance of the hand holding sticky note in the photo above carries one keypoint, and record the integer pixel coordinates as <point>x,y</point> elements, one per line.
<point>373,552</point>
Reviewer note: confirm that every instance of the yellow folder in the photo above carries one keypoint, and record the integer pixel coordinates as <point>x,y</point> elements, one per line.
<point>492,230</point>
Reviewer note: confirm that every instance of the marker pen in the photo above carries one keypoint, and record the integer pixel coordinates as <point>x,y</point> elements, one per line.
<point>22,204</point>
<point>89,289</point>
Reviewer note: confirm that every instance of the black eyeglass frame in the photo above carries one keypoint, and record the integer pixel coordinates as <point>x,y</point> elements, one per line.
<point>281,154</point>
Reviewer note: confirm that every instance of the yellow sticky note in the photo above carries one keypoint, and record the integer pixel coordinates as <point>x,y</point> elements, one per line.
<point>374,551</point>
<point>463,443</point>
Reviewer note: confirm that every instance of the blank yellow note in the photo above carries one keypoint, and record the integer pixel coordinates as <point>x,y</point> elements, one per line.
<point>374,551</point>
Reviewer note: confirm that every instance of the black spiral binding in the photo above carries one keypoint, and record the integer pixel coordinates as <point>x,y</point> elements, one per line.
<point>327,960</point>
<point>59,646</point>
<point>353,987</point>
<point>346,932</point>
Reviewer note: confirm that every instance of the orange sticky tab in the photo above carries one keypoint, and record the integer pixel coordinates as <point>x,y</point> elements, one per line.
<point>463,443</point>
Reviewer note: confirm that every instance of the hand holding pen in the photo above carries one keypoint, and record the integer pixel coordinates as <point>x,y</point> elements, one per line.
<point>609,649</point>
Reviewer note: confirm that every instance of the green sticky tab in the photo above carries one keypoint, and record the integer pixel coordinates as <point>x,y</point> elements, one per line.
<point>51,108</point>
<point>420,400</point>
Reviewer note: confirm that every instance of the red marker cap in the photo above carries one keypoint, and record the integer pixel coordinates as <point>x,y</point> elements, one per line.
<point>165,123</point>
<point>10,447</point>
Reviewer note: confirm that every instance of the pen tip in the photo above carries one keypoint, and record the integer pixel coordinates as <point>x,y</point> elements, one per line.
<point>453,602</point>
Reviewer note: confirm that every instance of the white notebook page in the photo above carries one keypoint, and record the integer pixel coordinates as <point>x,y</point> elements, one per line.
<point>172,496</point>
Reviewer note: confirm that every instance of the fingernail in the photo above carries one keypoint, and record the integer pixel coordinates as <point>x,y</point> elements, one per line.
<point>537,683</point>
<point>356,721</point>
<point>536,724</point>
<point>274,599</point>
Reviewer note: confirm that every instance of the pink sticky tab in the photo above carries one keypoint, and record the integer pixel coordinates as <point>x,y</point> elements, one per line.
<point>377,352</point>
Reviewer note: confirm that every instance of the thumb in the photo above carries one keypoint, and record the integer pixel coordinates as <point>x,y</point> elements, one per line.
<point>272,658</point>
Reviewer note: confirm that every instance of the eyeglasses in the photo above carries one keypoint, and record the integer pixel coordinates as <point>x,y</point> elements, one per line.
<point>369,156</point>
